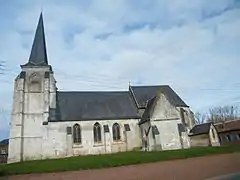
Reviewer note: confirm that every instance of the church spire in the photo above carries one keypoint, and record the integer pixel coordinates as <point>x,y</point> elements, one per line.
<point>38,54</point>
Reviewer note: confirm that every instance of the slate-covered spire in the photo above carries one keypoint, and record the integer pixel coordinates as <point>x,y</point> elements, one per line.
<point>38,54</point>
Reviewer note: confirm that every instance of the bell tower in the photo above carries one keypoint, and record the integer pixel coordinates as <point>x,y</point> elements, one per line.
<point>34,95</point>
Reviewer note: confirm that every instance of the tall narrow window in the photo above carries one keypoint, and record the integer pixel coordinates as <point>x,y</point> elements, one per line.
<point>116,132</point>
<point>97,133</point>
<point>213,134</point>
<point>77,134</point>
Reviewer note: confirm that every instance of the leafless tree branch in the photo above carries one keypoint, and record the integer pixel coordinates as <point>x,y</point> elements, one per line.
<point>200,118</point>
<point>223,113</point>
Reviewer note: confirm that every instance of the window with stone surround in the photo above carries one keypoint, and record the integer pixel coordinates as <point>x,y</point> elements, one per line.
<point>116,132</point>
<point>97,133</point>
<point>77,134</point>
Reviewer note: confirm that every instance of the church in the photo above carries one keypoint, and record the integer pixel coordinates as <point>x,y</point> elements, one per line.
<point>48,123</point>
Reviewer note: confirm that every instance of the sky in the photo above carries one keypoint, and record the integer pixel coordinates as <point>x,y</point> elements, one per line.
<point>193,46</point>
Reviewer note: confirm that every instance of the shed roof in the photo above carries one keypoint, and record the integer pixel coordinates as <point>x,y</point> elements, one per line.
<point>200,129</point>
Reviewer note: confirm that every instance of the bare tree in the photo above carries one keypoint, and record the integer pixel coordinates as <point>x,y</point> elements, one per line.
<point>2,66</point>
<point>223,113</point>
<point>200,118</point>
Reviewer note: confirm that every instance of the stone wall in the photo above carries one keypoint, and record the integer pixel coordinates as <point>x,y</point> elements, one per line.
<point>34,93</point>
<point>59,144</point>
<point>167,119</point>
<point>200,140</point>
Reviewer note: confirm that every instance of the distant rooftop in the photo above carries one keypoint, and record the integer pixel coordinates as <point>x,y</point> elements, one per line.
<point>4,142</point>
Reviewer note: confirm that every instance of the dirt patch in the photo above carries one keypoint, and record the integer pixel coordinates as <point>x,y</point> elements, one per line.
<point>193,169</point>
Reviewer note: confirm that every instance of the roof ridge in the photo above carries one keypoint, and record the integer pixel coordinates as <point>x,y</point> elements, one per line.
<point>164,85</point>
<point>228,121</point>
<point>92,91</point>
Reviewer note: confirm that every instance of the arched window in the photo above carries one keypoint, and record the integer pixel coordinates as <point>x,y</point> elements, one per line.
<point>97,133</point>
<point>116,132</point>
<point>77,134</point>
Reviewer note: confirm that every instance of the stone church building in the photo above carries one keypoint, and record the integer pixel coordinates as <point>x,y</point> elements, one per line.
<point>47,123</point>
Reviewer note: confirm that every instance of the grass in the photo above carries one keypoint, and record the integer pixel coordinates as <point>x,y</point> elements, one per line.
<point>109,160</point>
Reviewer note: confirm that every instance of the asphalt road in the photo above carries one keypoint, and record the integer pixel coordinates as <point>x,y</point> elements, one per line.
<point>234,176</point>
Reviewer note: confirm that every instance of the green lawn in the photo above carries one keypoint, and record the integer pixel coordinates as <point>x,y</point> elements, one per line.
<point>109,160</point>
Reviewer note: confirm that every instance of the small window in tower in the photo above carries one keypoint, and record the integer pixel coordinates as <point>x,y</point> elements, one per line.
<point>46,75</point>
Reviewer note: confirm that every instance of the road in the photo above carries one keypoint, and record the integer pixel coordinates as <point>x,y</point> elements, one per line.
<point>200,168</point>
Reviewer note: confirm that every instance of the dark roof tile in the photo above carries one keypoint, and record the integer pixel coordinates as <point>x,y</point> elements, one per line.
<point>93,106</point>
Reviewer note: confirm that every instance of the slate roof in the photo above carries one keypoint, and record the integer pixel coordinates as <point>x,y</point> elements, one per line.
<point>200,129</point>
<point>101,105</point>
<point>4,142</point>
<point>38,54</point>
<point>144,93</point>
<point>93,106</point>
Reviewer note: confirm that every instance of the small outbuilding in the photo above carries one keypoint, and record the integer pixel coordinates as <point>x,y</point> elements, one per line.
<point>204,135</point>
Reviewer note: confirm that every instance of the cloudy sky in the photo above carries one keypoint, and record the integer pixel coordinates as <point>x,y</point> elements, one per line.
<point>194,46</point>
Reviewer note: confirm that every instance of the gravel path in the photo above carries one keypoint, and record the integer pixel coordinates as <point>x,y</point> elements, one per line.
<point>187,169</point>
